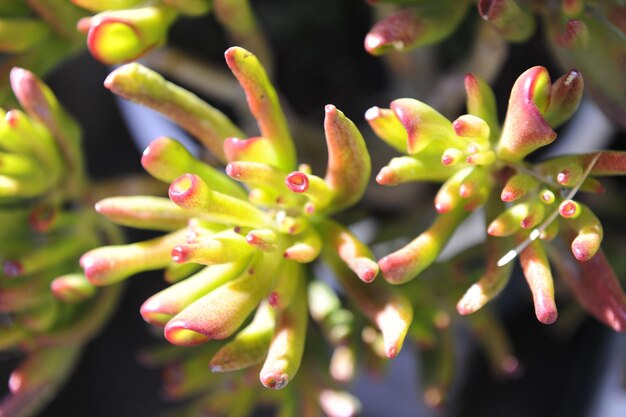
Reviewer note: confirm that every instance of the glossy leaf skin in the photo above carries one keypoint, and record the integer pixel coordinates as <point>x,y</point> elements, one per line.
<point>525,128</point>
<point>349,164</point>
<point>415,26</point>
<point>120,36</point>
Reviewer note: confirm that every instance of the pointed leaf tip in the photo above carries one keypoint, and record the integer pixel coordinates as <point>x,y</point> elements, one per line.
<point>525,128</point>
<point>264,104</point>
<point>349,164</point>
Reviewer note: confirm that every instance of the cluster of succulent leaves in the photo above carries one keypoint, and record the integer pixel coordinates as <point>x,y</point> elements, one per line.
<point>238,249</point>
<point>48,309</point>
<point>589,35</point>
<point>526,204</point>
<point>232,250</point>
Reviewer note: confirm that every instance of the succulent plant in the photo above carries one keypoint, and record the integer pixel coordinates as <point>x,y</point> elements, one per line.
<point>263,278</point>
<point>577,30</point>
<point>48,309</point>
<point>232,250</point>
<point>526,204</point>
